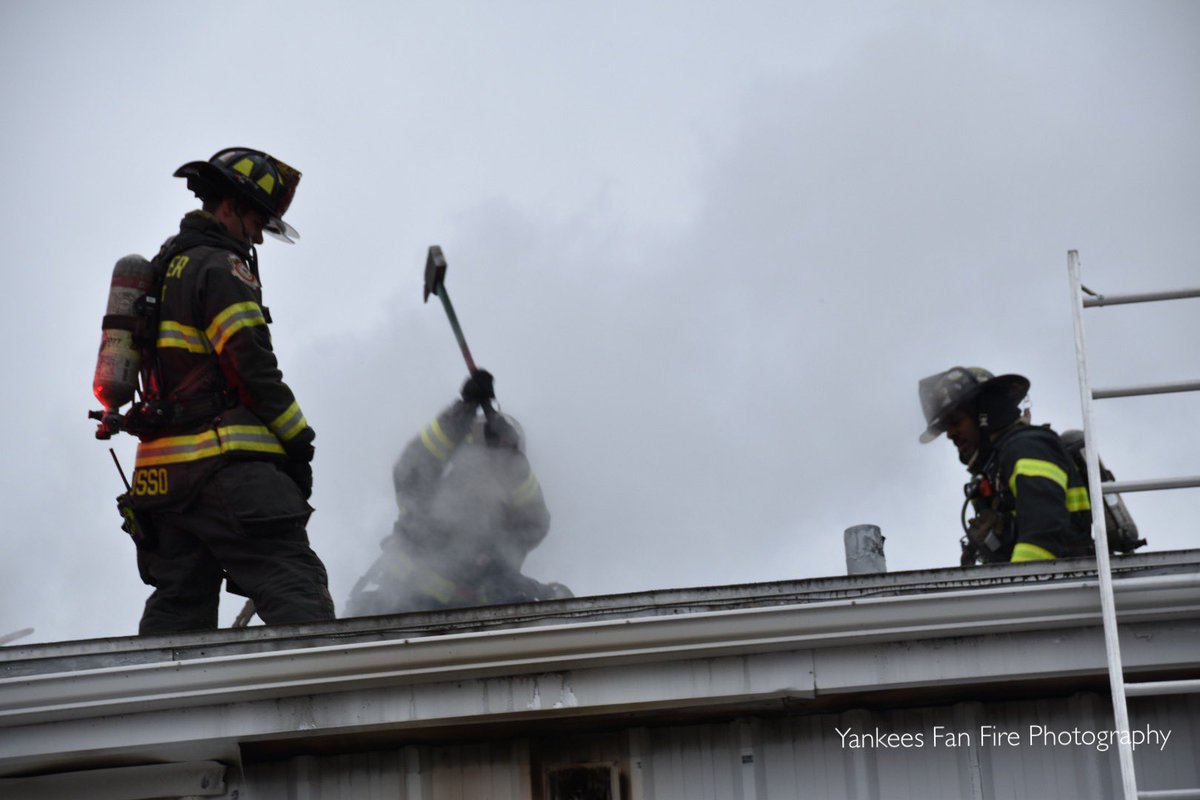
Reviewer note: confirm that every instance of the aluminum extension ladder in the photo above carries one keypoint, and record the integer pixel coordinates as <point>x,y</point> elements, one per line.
<point>1116,675</point>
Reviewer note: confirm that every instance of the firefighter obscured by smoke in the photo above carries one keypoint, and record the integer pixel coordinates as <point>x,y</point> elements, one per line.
<point>470,511</point>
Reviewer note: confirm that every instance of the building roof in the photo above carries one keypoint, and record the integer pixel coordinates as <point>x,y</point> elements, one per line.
<point>784,647</point>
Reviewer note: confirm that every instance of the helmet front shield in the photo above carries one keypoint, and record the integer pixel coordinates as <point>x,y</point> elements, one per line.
<point>943,393</point>
<point>290,179</point>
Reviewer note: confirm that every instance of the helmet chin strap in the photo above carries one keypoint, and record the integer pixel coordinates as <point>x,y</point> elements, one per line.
<point>970,460</point>
<point>240,213</point>
<point>240,208</point>
<point>242,224</point>
<point>985,443</point>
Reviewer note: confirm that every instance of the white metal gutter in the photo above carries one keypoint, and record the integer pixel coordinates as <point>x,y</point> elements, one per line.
<point>319,670</point>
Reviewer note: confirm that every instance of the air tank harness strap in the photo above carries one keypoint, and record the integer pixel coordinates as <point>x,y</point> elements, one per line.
<point>123,322</point>
<point>143,325</point>
<point>195,409</point>
<point>157,416</point>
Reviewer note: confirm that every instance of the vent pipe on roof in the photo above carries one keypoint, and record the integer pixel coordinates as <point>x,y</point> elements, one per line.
<point>864,550</point>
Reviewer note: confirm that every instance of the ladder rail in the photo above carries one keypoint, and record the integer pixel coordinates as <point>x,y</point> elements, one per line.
<point>1112,649</point>
<point>1121,691</point>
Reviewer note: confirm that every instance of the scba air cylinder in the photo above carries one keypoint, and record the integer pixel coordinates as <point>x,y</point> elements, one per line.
<point>117,364</point>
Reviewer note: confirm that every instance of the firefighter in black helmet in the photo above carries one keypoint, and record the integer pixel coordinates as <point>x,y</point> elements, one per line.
<point>223,469</point>
<point>471,509</point>
<point>1030,500</point>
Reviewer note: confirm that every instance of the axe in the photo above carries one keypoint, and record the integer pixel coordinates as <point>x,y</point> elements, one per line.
<point>435,283</point>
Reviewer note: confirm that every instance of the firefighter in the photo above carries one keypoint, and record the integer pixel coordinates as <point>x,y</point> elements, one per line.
<point>1030,500</point>
<point>223,471</point>
<point>470,511</point>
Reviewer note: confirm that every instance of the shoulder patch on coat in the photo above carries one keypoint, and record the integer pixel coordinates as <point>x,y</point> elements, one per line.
<point>242,272</point>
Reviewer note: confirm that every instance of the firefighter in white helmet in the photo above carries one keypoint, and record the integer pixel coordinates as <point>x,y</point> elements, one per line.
<point>470,511</point>
<point>1030,500</point>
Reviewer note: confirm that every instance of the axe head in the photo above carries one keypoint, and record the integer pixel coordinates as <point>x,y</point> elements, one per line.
<point>435,271</point>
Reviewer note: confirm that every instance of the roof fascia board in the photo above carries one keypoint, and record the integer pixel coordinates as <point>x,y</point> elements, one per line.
<point>796,677</point>
<point>245,677</point>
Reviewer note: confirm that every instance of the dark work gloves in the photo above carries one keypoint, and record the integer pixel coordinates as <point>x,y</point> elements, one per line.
<point>479,389</point>
<point>300,452</point>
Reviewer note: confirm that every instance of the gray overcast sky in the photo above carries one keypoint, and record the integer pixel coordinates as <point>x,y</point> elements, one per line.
<point>708,249</point>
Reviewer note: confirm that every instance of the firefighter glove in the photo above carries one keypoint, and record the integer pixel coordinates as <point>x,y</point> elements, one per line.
<point>478,388</point>
<point>301,448</point>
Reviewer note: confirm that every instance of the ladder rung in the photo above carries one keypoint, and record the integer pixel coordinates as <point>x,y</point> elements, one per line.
<point>1144,297</point>
<point>1150,688</point>
<point>1116,487</point>
<point>1170,794</point>
<point>1152,388</point>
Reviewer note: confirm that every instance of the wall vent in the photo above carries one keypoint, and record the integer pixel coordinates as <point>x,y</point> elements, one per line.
<point>592,781</point>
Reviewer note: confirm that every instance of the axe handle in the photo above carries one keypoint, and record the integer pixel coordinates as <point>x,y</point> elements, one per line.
<point>488,410</point>
<point>458,334</point>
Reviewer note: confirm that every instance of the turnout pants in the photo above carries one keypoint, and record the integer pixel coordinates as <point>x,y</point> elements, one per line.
<point>246,522</point>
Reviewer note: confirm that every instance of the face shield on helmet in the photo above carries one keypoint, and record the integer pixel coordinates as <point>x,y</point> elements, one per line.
<point>943,393</point>
<point>265,182</point>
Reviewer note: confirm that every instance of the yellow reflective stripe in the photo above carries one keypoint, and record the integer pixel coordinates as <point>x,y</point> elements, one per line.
<point>1078,500</point>
<point>177,449</point>
<point>436,427</point>
<point>436,441</point>
<point>176,334</point>
<point>1037,468</point>
<point>288,424</point>
<point>267,183</point>
<point>232,320</point>
<point>527,490</point>
<point>226,439</point>
<point>1031,552</point>
<point>423,578</point>
<point>431,447</point>
<point>245,166</point>
<point>255,438</point>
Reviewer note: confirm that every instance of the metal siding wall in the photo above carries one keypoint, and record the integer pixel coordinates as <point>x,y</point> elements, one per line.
<point>1095,772</point>
<point>753,777</point>
<point>807,760</point>
<point>449,776</point>
<point>781,758</point>
<point>487,771</point>
<point>369,776</point>
<point>694,762</point>
<point>365,775</point>
<point>957,768</point>
<point>1026,771</point>
<point>805,757</point>
<point>1177,767</point>
<point>899,775</point>
<point>641,765</point>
